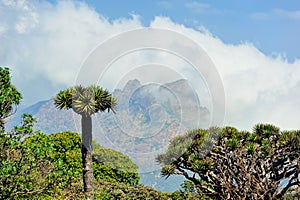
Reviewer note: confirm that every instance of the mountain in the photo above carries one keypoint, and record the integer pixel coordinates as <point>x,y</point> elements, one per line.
<point>148,116</point>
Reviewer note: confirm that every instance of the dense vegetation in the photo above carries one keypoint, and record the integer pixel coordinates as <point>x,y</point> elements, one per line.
<point>231,164</point>
<point>49,167</point>
<point>34,164</point>
<point>114,166</point>
<point>217,163</point>
<point>9,96</point>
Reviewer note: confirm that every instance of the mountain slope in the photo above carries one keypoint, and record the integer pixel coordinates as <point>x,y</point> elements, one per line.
<point>148,116</point>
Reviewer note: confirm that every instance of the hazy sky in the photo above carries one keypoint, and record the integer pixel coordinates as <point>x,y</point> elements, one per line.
<point>253,44</point>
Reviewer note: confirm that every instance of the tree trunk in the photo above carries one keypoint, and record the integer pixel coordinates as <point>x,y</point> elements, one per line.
<point>86,150</point>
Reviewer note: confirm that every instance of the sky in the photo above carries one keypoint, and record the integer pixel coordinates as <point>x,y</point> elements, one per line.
<point>273,26</point>
<point>253,44</point>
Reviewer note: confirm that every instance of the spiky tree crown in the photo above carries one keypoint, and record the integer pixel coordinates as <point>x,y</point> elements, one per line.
<point>85,100</point>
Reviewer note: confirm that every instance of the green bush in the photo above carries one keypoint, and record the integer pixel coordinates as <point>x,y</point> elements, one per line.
<point>113,191</point>
<point>26,167</point>
<point>9,96</point>
<point>34,164</point>
<point>113,166</point>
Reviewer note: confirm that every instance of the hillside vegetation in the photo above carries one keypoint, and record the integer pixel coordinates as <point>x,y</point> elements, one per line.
<point>33,163</point>
<point>39,166</point>
<point>217,163</point>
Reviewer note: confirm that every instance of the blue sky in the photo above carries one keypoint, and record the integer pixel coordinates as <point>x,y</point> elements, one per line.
<point>253,44</point>
<point>272,25</point>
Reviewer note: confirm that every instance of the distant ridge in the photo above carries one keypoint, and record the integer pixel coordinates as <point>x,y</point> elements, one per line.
<point>148,117</point>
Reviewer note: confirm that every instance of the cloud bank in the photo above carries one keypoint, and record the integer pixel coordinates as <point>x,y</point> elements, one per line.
<point>46,44</point>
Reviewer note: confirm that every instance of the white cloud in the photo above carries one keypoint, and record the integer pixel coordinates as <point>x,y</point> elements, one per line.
<point>258,88</point>
<point>26,18</point>
<point>3,29</point>
<point>46,44</point>
<point>58,38</point>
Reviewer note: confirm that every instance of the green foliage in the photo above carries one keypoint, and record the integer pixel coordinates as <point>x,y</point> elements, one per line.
<point>114,166</point>
<point>34,164</point>
<point>9,96</point>
<point>85,100</point>
<point>234,163</point>
<point>251,148</point>
<point>24,167</point>
<point>189,186</point>
<point>113,158</point>
<point>233,143</point>
<point>39,166</point>
<point>111,191</point>
<point>265,130</point>
<point>122,191</point>
<point>64,156</point>
<point>179,146</point>
<point>167,170</point>
<point>180,195</point>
